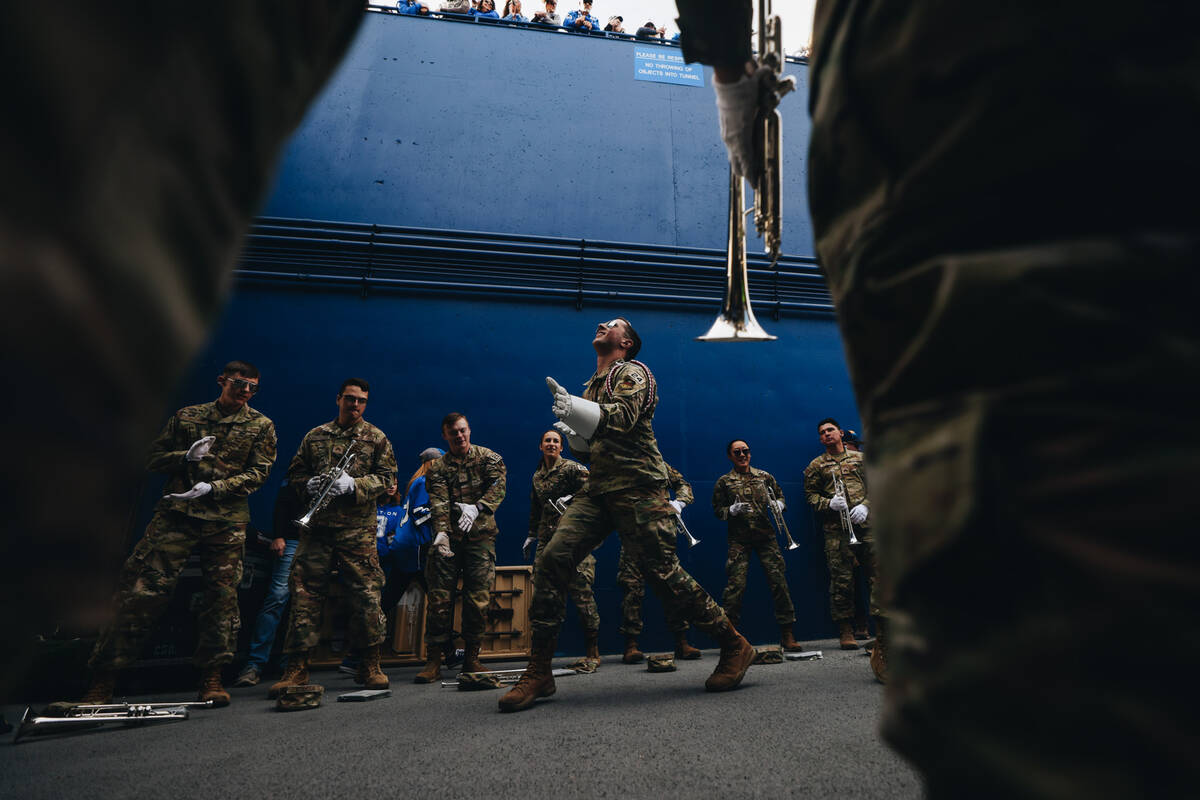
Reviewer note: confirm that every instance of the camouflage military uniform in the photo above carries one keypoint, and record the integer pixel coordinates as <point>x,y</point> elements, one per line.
<point>1017,304</point>
<point>566,477</point>
<point>633,583</point>
<point>627,491</point>
<point>341,536</point>
<point>752,533</point>
<point>215,525</point>
<point>839,554</point>
<point>477,477</point>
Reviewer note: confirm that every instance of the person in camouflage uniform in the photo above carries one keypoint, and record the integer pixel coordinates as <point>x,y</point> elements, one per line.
<point>555,483</point>
<point>840,555</point>
<point>341,535</point>
<point>627,490</point>
<point>1017,304</point>
<point>465,487</point>
<point>633,587</point>
<point>215,455</point>
<point>740,497</point>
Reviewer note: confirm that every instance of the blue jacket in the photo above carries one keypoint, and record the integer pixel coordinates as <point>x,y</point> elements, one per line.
<point>515,18</point>
<point>569,22</point>
<point>387,522</point>
<point>409,7</point>
<point>413,531</point>
<point>477,13</point>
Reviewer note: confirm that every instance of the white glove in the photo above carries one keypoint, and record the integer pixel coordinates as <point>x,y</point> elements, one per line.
<point>778,504</point>
<point>737,105</point>
<point>441,543</point>
<point>678,506</point>
<point>199,490</point>
<point>579,445</point>
<point>469,513</point>
<point>838,503</point>
<point>582,415</point>
<point>739,508</point>
<point>858,514</point>
<point>314,484</point>
<point>527,548</point>
<point>342,484</point>
<point>199,449</point>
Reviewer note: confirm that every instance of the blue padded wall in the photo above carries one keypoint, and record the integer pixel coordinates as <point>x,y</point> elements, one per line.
<point>441,125</point>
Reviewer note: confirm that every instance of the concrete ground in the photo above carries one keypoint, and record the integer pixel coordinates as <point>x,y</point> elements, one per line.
<point>797,729</point>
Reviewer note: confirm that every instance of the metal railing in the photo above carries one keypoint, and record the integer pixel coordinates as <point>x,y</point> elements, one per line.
<point>385,258</point>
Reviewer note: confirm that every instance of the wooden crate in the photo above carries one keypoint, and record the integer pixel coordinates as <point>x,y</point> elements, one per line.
<point>511,590</point>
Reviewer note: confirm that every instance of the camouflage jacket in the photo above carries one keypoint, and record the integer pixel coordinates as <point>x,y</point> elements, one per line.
<point>818,486</point>
<point>476,477</point>
<point>238,463</point>
<point>565,477</point>
<point>373,470</point>
<point>681,488</point>
<point>624,451</point>
<point>751,487</point>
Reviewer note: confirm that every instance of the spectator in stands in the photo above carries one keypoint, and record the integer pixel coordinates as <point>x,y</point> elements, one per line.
<point>413,8</point>
<point>650,31</point>
<point>550,15</point>
<point>487,8</point>
<point>455,7</point>
<point>614,25</point>
<point>512,12</point>
<point>582,19</point>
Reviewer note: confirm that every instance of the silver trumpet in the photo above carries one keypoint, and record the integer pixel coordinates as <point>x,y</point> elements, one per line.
<point>839,488</point>
<point>83,716</point>
<point>327,478</point>
<point>780,522</point>
<point>511,676</point>
<point>560,507</point>
<point>736,322</point>
<point>692,540</point>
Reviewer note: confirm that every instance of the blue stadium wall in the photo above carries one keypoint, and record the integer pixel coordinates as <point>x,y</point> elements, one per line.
<point>440,126</point>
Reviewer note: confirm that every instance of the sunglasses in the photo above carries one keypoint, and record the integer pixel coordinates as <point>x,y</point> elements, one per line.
<point>612,323</point>
<point>241,384</point>
<point>357,401</point>
<point>741,451</point>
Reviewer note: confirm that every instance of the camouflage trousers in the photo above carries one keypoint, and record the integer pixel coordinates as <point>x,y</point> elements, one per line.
<point>475,563</point>
<point>353,553</point>
<point>644,519</point>
<point>149,577</point>
<point>842,558</point>
<point>737,567</point>
<point>633,592</point>
<point>580,590</point>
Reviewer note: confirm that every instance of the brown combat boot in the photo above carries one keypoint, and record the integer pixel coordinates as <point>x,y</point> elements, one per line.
<point>296,674</point>
<point>433,666</point>
<point>370,674</point>
<point>211,688</point>
<point>592,640</point>
<point>100,690</point>
<point>683,650</point>
<point>879,663</point>
<point>632,654</point>
<point>860,629</point>
<point>736,657</point>
<point>538,680</point>
<point>788,641</point>
<point>471,662</point>
<point>847,635</point>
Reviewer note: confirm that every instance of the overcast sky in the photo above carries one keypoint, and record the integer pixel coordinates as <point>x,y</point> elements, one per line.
<point>795,15</point>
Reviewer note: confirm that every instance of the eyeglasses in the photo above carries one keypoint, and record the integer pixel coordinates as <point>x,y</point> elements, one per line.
<point>241,384</point>
<point>353,400</point>
<point>741,451</point>
<point>612,323</point>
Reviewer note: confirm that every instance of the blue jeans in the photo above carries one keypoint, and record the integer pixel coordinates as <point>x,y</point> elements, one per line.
<point>272,608</point>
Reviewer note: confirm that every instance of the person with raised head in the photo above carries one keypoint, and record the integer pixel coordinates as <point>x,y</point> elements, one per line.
<point>556,482</point>
<point>611,425</point>
<point>633,587</point>
<point>465,486</point>
<point>745,497</point>
<point>841,512</point>
<point>350,463</point>
<point>215,455</point>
